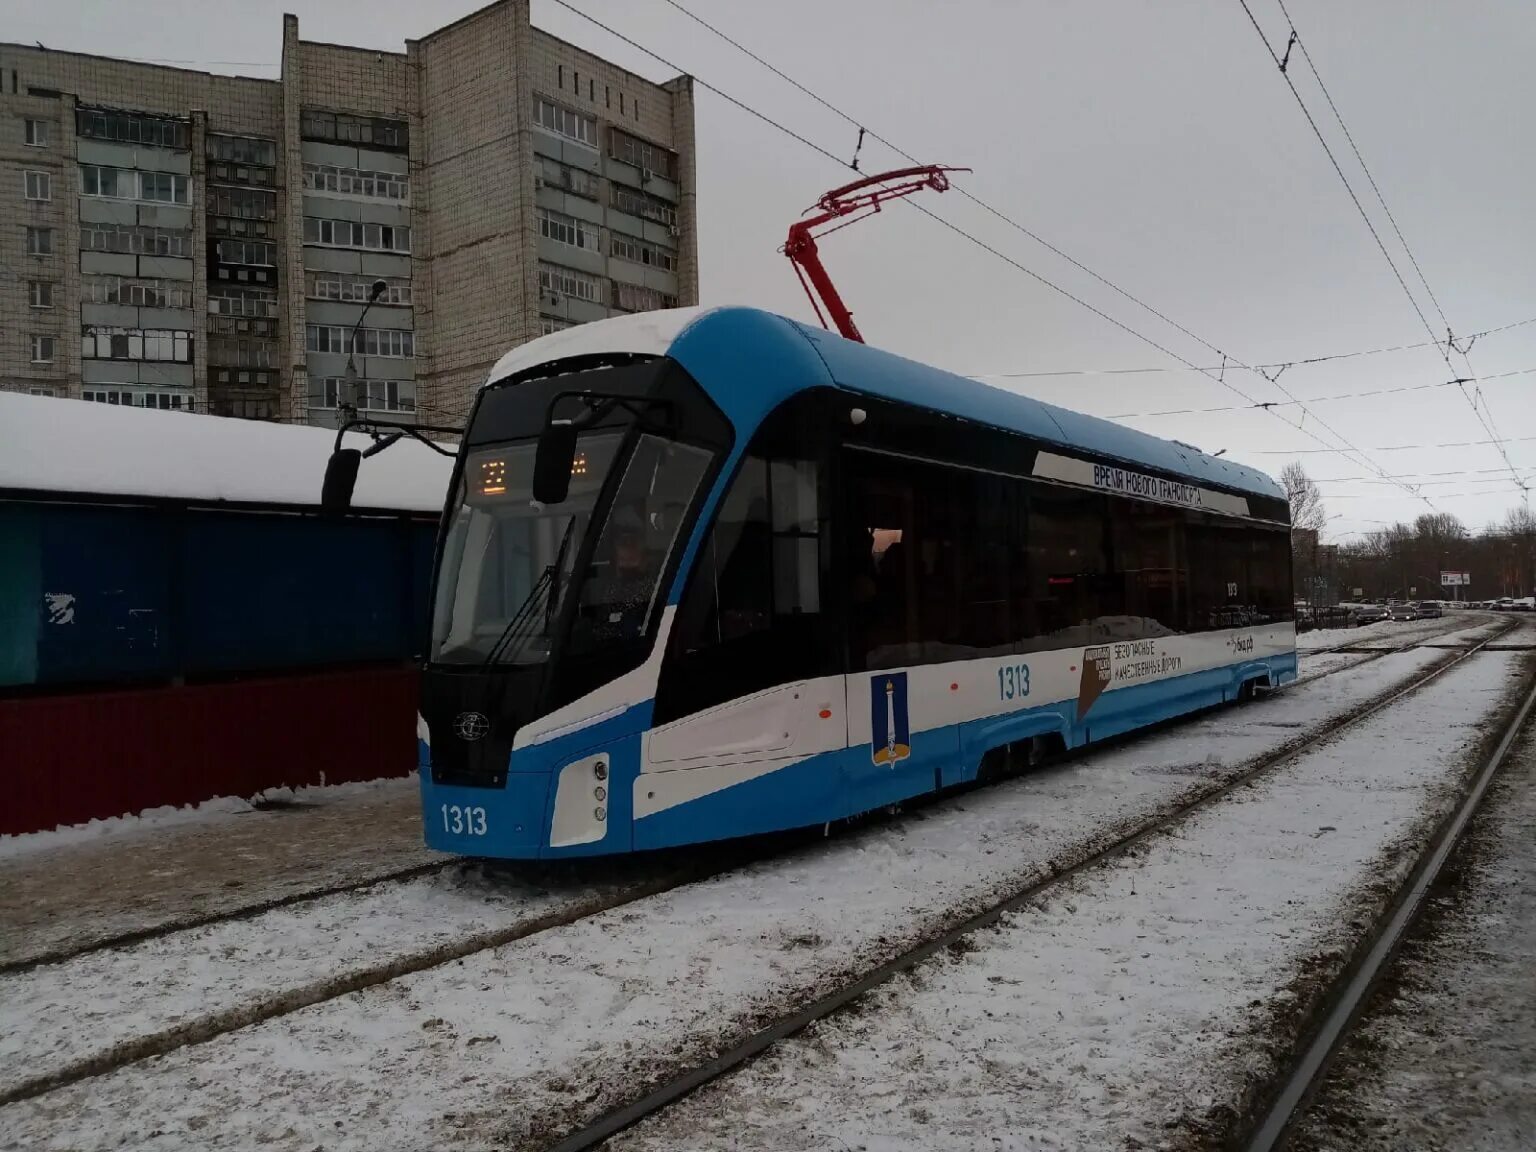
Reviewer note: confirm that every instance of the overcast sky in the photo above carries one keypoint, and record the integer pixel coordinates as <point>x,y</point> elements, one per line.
<point>1153,141</point>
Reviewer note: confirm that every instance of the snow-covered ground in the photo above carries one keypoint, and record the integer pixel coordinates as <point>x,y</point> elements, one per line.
<point>1327,638</point>
<point>1137,1001</point>
<point>61,891</point>
<point>524,1037</point>
<point>1445,1056</point>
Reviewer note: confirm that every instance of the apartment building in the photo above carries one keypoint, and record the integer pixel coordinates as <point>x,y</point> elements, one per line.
<point>181,240</point>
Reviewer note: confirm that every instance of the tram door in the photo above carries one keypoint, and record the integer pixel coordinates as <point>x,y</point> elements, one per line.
<point>753,681</point>
<point>900,618</point>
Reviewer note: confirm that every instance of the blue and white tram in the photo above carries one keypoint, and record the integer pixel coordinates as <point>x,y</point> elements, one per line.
<point>707,573</point>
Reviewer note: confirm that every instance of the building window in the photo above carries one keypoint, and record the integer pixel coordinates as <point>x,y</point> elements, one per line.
<point>129,128</point>
<point>241,150</point>
<point>163,345</point>
<point>550,324</point>
<point>140,240</point>
<point>337,286</point>
<point>565,229</point>
<point>357,182</point>
<point>41,392</point>
<point>633,298</point>
<point>245,252</point>
<point>644,205</point>
<point>641,252</point>
<point>165,401</point>
<point>136,293</point>
<point>390,342</point>
<point>129,184</point>
<point>234,302</point>
<point>576,180</point>
<point>37,133</point>
<point>42,349</point>
<point>568,282</point>
<point>242,203</point>
<point>377,395</point>
<point>40,293</point>
<point>340,128</point>
<point>39,241</point>
<point>234,226</point>
<point>565,122</point>
<point>355,234</point>
<point>39,186</point>
<point>234,352</point>
<point>642,154</point>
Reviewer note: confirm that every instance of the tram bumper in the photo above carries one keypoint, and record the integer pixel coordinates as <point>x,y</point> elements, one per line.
<point>557,799</point>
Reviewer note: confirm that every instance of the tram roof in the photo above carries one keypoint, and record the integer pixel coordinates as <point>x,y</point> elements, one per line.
<point>89,449</point>
<point>691,335</point>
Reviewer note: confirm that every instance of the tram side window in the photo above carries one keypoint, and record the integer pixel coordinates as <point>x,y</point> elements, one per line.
<point>882,570</point>
<point>1068,589</point>
<point>1269,572</point>
<point>751,614</point>
<point>1219,592</point>
<point>1148,553</point>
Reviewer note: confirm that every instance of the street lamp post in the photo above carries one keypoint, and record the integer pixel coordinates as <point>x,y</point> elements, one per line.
<point>350,403</point>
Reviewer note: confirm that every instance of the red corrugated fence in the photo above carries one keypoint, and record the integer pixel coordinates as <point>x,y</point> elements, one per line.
<point>74,757</point>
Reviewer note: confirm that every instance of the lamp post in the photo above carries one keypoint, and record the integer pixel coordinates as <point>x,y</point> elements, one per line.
<point>350,403</point>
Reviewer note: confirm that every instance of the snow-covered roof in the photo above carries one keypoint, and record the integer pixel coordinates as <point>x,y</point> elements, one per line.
<point>641,333</point>
<point>72,446</point>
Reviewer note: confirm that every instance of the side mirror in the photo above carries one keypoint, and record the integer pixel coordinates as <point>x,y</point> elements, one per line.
<point>552,463</point>
<point>340,480</point>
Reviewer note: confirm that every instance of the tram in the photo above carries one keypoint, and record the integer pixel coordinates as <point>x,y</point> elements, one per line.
<point>706,573</point>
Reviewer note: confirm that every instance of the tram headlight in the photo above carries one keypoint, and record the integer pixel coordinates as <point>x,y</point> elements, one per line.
<point>600,793</point>
<point>600,769</point>
<point>600,812</point>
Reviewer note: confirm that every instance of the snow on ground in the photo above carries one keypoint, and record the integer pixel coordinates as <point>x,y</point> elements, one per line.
<point>63,891</point>
<point>59,1015</point>
<point>517,1038</point>
<point>1385,630</point>
<point>1443,1059</point>
<point>1468,632</point>
<point>1115,1008</point>
<point>1311,665</point>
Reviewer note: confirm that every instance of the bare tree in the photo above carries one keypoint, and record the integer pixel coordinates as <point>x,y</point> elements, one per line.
<point>1439,527</point>
<point>1305,498</point>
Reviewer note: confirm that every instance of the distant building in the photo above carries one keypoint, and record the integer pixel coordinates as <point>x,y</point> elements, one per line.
<point>176,239</point>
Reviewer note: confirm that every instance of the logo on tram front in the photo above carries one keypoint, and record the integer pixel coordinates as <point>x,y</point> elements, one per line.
<point>890,736</point>
<point>471,726</point>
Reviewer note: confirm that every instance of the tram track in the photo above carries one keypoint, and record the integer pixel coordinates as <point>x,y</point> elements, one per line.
<point>289,1000</point>
<point>1340,1005</point>
<point>396,876</point>
<point>680,1083</point>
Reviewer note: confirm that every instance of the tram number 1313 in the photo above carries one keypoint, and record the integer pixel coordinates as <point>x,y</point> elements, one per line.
<point>463,820</point>
<point>1013,681</point>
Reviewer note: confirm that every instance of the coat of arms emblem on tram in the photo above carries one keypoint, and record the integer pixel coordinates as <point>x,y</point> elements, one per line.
<point>889,730</point>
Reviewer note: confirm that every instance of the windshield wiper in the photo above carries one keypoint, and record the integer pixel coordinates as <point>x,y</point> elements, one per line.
<point>555,569</point>
<point>509,644</point>
<point>526,611</point>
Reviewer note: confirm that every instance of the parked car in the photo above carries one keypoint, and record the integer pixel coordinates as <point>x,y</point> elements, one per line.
<point>1371,614</point>
<point>1402,612</point>
<point>1524,604</point>
<point>1429,609</point>
<point>1504,604</point>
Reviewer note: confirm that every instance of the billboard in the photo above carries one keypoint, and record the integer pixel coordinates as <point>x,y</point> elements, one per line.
<point>1455,579</point>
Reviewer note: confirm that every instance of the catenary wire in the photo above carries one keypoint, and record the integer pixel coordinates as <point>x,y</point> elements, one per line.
<point>1485,416</point>
<point>1227,357</point>
<point>1299,362</point>
<point>1370,225</point>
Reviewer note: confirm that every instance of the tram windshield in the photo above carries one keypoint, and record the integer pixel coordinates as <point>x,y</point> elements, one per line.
<point>509,562</point>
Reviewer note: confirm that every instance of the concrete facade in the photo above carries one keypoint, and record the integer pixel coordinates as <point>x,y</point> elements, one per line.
<point>202,242</point>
